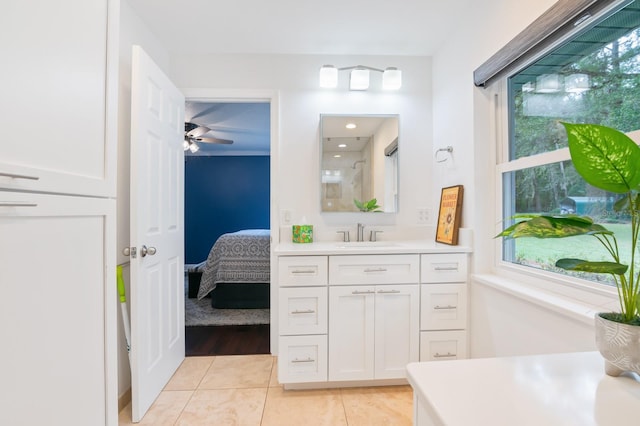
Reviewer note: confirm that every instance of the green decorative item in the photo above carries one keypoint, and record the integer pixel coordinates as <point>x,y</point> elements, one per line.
<point>367,206</point>
<point>609,160</point>
<point>302,233</point>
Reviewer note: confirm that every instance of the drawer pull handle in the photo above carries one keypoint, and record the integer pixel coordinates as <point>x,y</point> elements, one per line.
<point>363,292</point>
<point>296,361</point>
<point>438,307</point>
<point>388,291</point>
<point>308,311</point>
<point>16,176</point>
<point>303,271</point>
<point>447,355</point>
<point>375,270</point>
<point>445,268</point>
<point>17,204</point>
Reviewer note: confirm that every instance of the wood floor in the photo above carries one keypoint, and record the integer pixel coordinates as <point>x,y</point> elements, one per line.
<point>227,340</point>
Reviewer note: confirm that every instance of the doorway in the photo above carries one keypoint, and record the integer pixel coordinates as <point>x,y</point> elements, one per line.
<point>227,192</point>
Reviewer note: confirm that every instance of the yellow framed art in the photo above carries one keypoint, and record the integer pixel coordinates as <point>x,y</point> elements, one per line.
<point>449,215</point>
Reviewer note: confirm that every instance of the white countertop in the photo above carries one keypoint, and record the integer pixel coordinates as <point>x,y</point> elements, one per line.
<point>379,247</point>
<point>557,389</point>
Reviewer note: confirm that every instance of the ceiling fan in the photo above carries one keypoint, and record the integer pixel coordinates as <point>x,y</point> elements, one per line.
<point>193,134</point>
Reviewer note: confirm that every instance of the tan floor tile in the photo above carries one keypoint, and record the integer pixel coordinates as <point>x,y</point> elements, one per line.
<point>274,374</point>
<point>164,411</point>
<point>190,373</point>
<point>384,405</point>
<point>242,407</point>
<point>303,407</point>
<point>238,371</point>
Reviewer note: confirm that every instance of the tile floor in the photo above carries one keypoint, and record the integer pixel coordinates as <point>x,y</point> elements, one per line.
<point>244,390</point>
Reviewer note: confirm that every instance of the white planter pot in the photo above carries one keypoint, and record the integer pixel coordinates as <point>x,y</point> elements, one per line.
<point>619,345</point>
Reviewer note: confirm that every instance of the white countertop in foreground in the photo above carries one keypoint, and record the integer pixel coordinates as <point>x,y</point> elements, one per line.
<point>379,247</point>
<point>556,389</point>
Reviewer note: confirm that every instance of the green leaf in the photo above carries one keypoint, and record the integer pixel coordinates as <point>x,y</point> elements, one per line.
<point>559,226</point>
<point>604,157</point>
<point>595,267</point>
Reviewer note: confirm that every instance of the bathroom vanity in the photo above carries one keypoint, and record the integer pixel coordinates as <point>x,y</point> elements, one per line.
<point>356,313</point>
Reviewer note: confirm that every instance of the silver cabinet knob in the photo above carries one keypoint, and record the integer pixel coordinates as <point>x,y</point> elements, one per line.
<point>144,250</point>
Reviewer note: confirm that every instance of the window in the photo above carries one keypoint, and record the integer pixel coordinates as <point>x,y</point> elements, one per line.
<point>592,77</point>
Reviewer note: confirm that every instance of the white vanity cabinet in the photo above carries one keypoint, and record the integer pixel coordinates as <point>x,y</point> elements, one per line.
<point>358,317</point>
<point>443,306</point>
<point>373,316</point>
<point>302,319</point>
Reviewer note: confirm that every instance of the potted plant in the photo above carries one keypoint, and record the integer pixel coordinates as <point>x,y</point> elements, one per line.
<point>367,206</point>
<point>609,160</point>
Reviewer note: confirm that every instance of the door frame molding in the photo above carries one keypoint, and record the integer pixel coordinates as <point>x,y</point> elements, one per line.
<point>273,97</point>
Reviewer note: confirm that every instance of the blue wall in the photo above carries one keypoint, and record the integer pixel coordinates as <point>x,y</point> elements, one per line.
<point>223,194</point>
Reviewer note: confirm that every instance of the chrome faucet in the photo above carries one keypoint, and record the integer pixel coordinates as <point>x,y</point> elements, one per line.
<point>360,233</point>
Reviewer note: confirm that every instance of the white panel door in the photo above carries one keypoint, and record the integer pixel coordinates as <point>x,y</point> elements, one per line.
<point>157,231</point>
<point>57,310</point>
<point>58,101</point>
<point>397,329</point>
<point>351,332</point>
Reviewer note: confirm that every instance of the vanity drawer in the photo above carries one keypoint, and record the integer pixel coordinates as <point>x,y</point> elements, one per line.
<point>443,268</point>
<point>303,310</point>
<point>302,271</point>
<point>302,359</point>
<point>443,306</point>
<point>374,269</point>
<point>443,345</point>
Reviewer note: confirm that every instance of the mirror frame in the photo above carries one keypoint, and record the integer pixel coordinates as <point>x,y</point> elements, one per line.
<point>388,148</point>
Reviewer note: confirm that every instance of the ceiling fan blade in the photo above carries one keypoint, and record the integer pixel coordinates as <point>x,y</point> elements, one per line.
<point>198,131</point>
<point>214,140</point>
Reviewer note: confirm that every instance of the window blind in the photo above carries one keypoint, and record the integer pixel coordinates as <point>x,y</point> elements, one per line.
<point>563,19</point>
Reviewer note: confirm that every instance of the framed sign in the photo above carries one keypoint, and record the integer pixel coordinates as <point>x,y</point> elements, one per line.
<point>449,215</point>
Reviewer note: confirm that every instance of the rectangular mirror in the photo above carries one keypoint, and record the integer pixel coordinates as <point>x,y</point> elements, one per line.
<point>359,163</point>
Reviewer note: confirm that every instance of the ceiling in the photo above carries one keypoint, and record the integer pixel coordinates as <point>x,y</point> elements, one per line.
<point>330,27</point>
<point>246,124</point>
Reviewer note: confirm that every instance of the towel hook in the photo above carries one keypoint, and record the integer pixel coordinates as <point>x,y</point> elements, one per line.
<point>448,149</point>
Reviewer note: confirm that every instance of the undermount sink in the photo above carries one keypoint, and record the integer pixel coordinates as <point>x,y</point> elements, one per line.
<point>359,244</point>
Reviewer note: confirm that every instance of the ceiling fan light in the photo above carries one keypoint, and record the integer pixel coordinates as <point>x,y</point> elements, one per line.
<point>328,77</point>
<point>193,147</point>
<point>359,79</point>
<point>391,79</point>
<point>185,144</point>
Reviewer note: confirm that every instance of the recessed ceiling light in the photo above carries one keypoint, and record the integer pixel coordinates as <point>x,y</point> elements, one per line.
<point>337,156</point>
<point>351,126</point>
<point>342,145</point>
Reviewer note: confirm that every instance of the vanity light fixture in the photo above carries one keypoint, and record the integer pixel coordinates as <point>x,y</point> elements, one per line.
<point>576,83</point>
<point>548,83</point>
<point>359,77</point>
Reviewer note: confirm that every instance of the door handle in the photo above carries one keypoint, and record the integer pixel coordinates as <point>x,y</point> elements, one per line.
<point>144,250</point>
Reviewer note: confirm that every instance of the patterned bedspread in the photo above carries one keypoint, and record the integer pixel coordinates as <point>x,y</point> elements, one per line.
<point>238,257</point>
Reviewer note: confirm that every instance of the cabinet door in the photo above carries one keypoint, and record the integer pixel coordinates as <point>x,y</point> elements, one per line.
<point>303,310</point>
<point>397,313</point>
<point>57,310</point>
<point>351,332</point>
<point>443,306</point>
<point>59,96</point>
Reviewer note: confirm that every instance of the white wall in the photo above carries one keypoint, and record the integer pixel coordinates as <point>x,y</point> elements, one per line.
<point>132,31</point>
<point>500,323</point>
<point>295,77</point>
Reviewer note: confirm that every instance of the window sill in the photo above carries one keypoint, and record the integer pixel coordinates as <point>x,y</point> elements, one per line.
<point>566,305</point>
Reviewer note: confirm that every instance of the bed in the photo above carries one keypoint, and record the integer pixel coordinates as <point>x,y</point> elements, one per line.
<point>236,272</point>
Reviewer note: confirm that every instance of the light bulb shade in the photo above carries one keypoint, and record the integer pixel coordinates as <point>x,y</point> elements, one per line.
<point>576,83</point>
<point>548,83</point>
<point>529,86</point>
<point>359,79</point>
<point>194,147</point>
<point>185,144</point>
<point>391,79</point>
<point>328,77</point>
